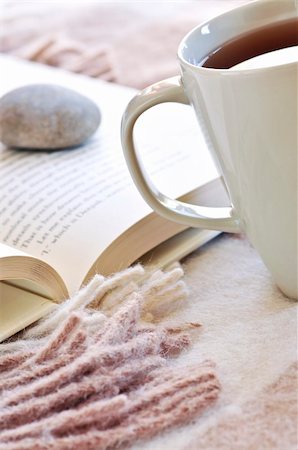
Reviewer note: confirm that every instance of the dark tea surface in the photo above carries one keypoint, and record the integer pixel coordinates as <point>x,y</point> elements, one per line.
<point>253,43</point>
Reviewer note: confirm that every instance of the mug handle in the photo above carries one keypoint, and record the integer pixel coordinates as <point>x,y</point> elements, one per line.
<point>211,218</point>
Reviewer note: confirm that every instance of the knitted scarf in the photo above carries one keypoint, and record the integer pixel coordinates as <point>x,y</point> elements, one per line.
<point>96,373</point>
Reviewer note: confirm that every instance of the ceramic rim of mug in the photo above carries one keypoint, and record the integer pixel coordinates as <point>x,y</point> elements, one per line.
<point>211,33</point>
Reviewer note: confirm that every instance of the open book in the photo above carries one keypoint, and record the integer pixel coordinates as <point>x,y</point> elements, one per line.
<point>66,215</point>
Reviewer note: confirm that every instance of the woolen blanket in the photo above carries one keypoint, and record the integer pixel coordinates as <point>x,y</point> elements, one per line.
<point>90,379</point>
<point>215,369</point>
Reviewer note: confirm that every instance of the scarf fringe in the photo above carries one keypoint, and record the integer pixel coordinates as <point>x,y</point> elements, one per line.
<point>88,378</point>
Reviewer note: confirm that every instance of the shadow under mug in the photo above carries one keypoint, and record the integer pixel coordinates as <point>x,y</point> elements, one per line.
<point>249,120</point>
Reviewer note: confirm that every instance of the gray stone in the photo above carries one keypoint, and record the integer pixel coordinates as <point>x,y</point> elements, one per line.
<point>45,116</point>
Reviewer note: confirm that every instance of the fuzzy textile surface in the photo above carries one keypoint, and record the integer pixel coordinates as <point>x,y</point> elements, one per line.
<point>133,43</point>
<point>90,379</point>
<point>249,329</point>
<point>268,421</point>
<point>59,385</point>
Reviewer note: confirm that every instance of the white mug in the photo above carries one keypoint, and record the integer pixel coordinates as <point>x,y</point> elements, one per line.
<point>249,120</point>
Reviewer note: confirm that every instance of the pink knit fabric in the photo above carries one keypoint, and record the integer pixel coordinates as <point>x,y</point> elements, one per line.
<point>131,43</point>
<point>266,422</point>
<point>93,381</point>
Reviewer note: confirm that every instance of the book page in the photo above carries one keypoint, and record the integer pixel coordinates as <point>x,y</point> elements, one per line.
<point>177,247</point>
<point>19,309</point>
<point>30,273</point>
<point>66,207</point>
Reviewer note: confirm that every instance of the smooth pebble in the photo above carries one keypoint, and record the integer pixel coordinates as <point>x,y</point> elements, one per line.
<point>48,117</point>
